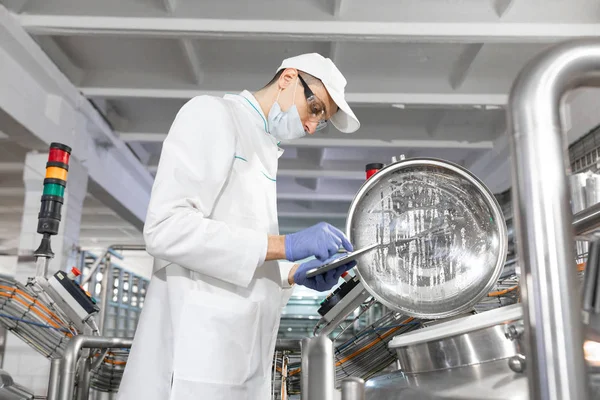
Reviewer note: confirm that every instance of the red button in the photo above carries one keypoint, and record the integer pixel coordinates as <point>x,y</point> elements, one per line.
<point>75,271</point>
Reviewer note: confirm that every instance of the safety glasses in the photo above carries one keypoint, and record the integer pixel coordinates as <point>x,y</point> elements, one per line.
<point>316,109</point>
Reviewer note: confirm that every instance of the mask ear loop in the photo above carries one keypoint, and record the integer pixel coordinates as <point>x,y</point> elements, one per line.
<point>294,95</point>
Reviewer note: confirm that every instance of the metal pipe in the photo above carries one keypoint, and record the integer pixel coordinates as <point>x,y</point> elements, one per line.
<point>94,267</point>
<point>318,369</point>
<point>543,218</point>
<point>110,250</point>
<point>587,221</point>
<point>105,294</point>
<point>100,358</point>
<point>83,388</point>
<point>54,382</point>
<point>68,366</point>
<point>353,389</point>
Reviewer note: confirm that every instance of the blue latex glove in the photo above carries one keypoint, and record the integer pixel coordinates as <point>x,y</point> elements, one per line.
<point>321,241</point>
<point>325,281</point>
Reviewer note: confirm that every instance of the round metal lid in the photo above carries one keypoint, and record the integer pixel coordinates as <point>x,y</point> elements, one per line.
<point>457,233</point>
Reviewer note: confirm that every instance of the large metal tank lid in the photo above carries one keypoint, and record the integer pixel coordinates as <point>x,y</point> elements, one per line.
<point>457,230</point>
<point>459,326</point>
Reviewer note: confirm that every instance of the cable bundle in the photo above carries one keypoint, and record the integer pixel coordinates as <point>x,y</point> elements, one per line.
<point>107,377</point>
<point>367,353</point>
<point>32,319</point>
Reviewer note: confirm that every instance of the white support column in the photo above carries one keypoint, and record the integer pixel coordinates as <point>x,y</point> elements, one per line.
<point>26,366</point>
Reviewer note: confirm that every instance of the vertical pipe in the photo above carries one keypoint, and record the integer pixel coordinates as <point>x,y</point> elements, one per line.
<point>85,376</point>
<point>105,294</point>
<point>353,389</point>
<point>318,369</point>
<point>53,383</point>
<point>543,217</point>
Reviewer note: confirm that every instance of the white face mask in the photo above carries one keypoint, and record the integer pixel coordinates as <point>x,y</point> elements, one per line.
<point>285,125</point>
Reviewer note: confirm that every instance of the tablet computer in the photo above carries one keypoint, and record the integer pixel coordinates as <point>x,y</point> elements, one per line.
<point>340,261</point>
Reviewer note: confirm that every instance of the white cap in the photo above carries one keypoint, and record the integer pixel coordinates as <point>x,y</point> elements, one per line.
<point>335,83</point>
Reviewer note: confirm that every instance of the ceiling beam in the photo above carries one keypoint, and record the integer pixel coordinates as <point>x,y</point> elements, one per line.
<point>335,191</point>
<point>141,153</point>
<point>349,143</point>
<point>404,98</point>
<point>334,51</point>
<point>435,120</point>
<point>61,59</point>
<point>350,170</point>
<point>314,156</point>
<point>187,47</point>
<point>11,166</point>
<point>40,106</point>
<point>12,191</point>
<point>316,196</point>
<point>463,64</point>
<point>356,31</point>
<point>310,173</point>
<point>311,214</point>
<point>501,7</point>
<point>192,59</point>
<point>338,7</point>
<point>170,5</point>
<point>489,162</point>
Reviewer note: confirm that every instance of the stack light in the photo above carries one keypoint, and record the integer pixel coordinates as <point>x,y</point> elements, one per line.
<point>55,182</point>
<point>372,168</point>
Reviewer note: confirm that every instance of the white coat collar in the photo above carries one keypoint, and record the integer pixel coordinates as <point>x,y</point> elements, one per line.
<point>248,100</point>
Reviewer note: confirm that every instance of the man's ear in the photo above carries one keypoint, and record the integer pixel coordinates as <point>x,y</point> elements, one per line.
<point>287,77</point>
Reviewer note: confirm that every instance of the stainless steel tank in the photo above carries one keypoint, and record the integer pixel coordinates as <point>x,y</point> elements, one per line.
<point>475,357</point>
<point>444,246</point>
<point>442,235</point>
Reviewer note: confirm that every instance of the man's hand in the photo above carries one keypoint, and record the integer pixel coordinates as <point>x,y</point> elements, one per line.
<point>321,241</point>
<point>320,283</point>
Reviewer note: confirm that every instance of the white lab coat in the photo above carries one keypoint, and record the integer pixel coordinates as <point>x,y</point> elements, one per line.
<point>211,314</point>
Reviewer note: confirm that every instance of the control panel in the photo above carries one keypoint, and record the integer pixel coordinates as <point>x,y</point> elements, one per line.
<point>337,295</point>
<point>80,301</point>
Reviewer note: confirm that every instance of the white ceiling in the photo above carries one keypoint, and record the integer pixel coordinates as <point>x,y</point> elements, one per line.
<point>425,77</point>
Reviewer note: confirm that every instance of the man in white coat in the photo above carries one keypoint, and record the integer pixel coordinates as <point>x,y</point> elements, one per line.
<point>211,314</point>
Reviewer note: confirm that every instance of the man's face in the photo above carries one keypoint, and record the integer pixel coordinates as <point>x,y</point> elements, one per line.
<point>314,104</point>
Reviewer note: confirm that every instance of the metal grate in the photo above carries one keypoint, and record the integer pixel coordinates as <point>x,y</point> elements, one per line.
<point>125,298</point>
<point>584,154</point>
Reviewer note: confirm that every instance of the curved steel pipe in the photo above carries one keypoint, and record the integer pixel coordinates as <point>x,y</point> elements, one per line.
<point>68,367</point>
<point>543,218</point>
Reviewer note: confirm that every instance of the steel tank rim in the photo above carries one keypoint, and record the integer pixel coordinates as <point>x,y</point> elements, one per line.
<point>487,196</point>
<point>458,335</point>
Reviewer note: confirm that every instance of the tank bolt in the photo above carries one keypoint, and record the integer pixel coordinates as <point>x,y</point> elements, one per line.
<point>517,363</point>
<point>513,332</point>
